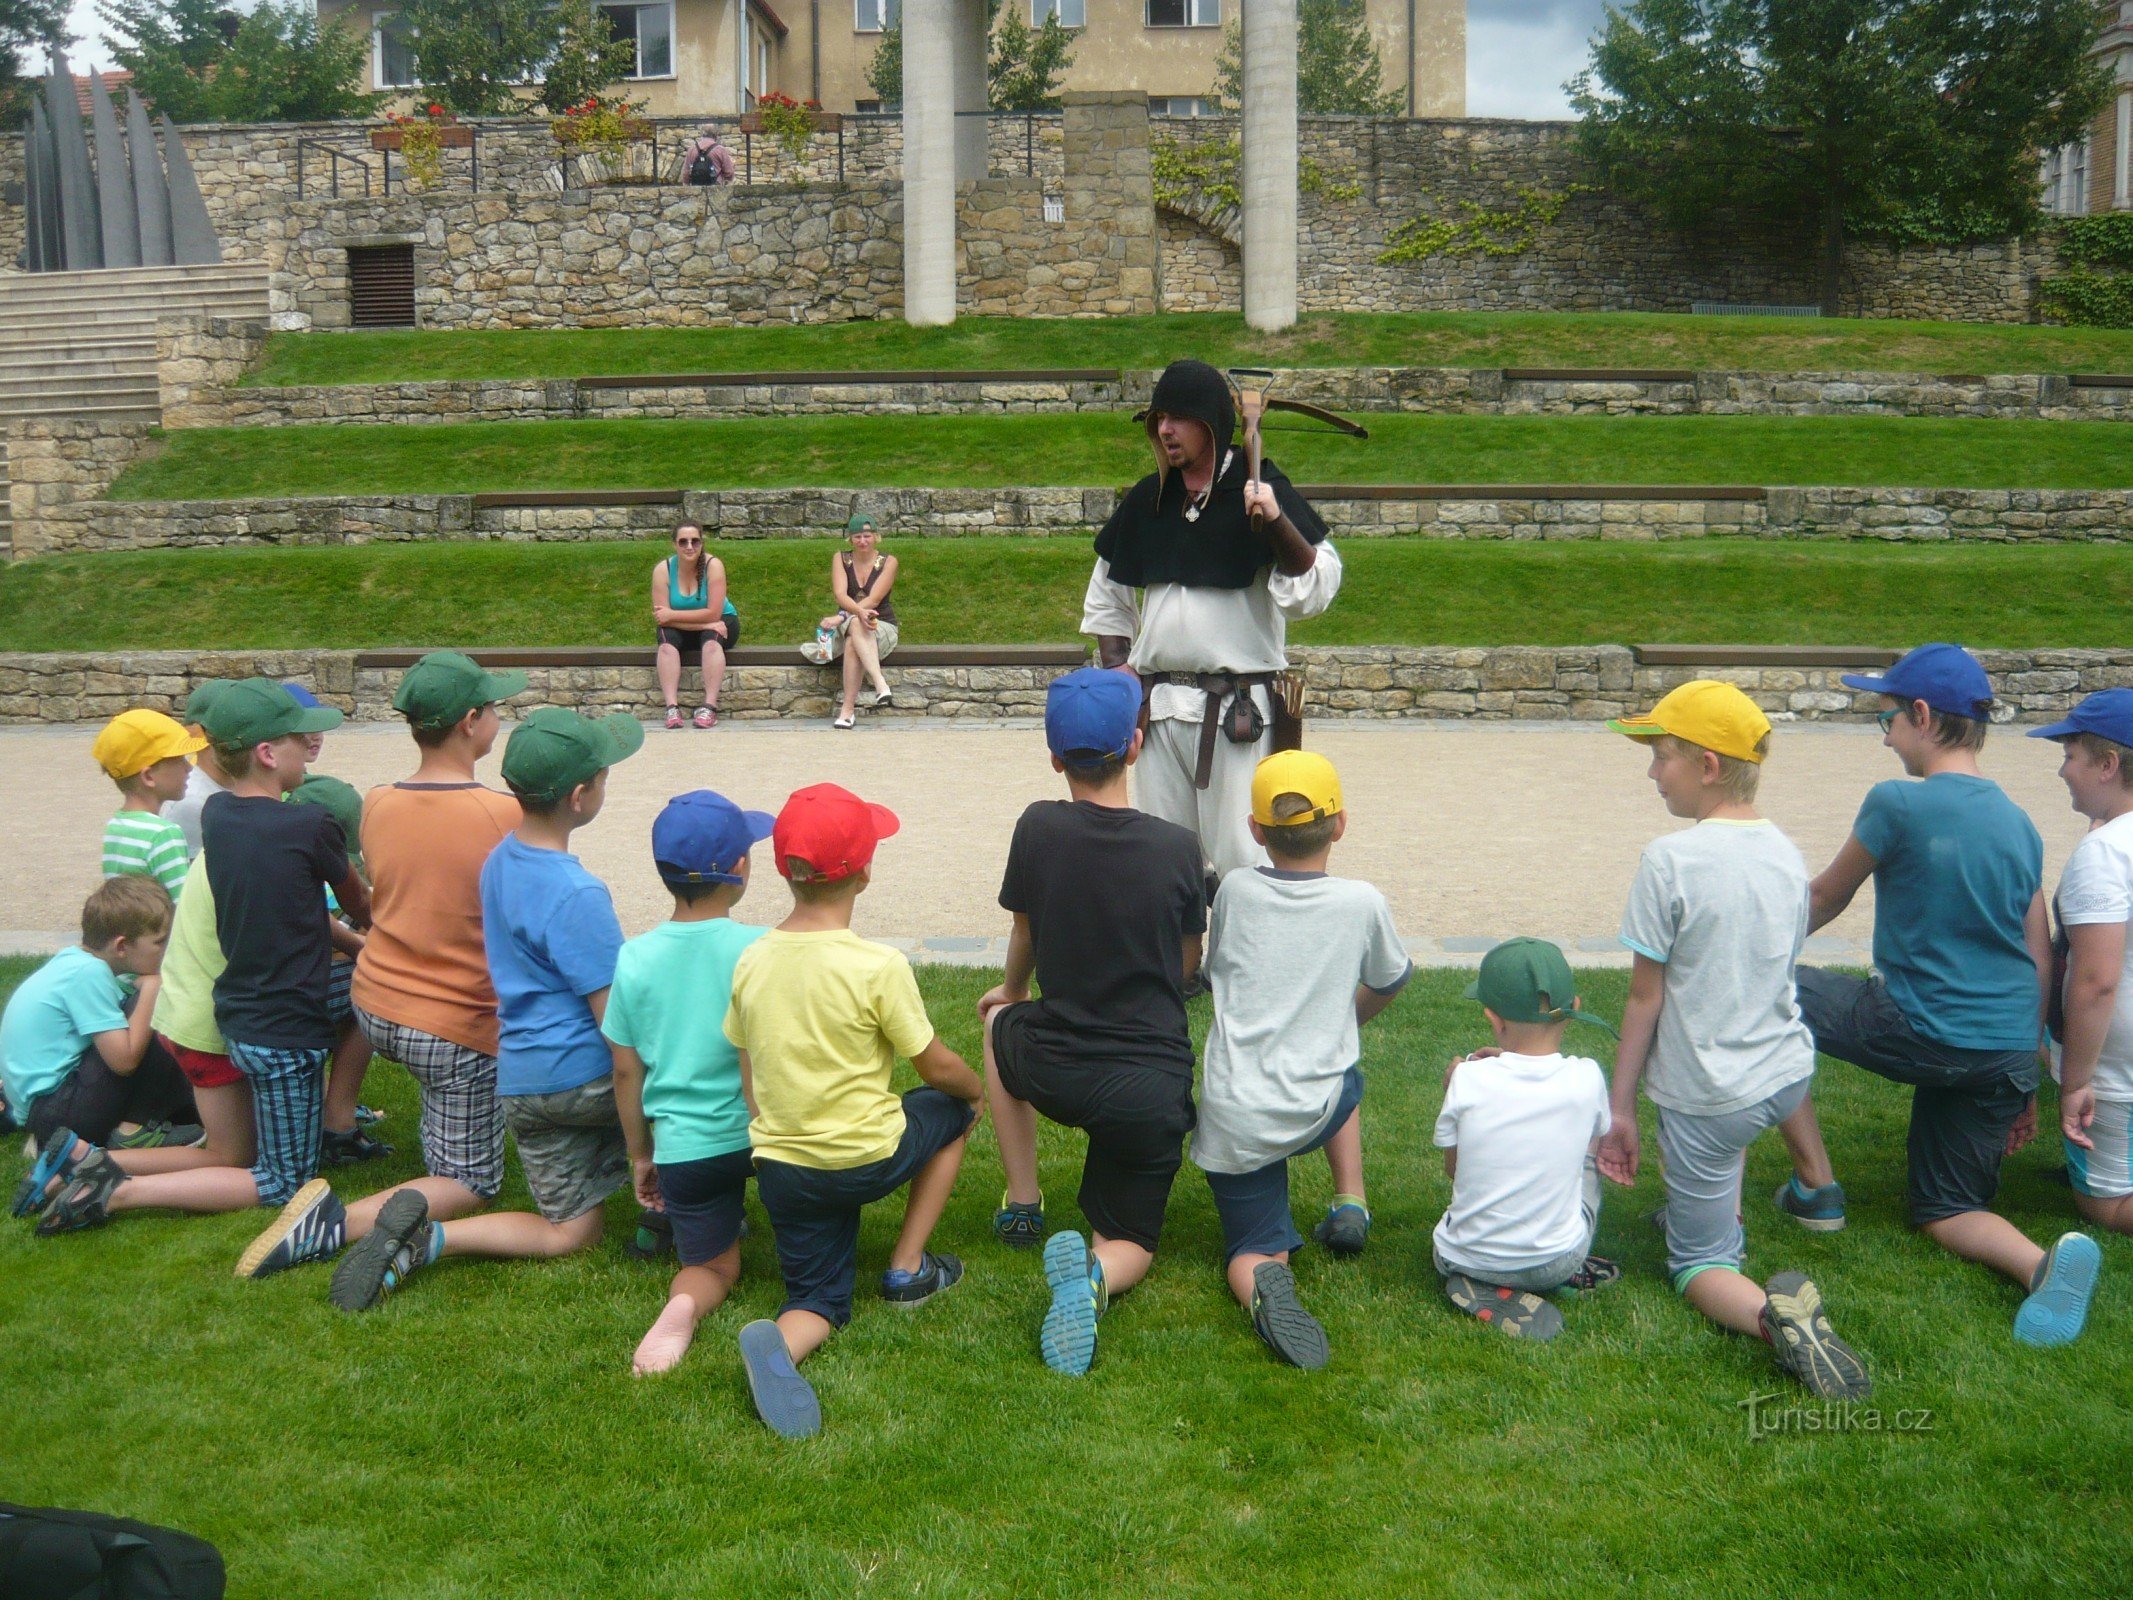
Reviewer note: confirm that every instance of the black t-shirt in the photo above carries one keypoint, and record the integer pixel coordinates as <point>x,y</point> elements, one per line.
<point>268,863</point>
<point>1110,895</point>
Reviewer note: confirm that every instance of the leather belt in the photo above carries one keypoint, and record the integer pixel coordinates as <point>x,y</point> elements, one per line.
<point>1218,687</point>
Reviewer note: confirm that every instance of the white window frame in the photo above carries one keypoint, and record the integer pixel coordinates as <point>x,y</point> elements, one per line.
<point>1072,13</point>
<point>2077,178</point>
<point>639,7</point>
<point>1198,14</point>
<point>883,14</point>
<point>378,20</point>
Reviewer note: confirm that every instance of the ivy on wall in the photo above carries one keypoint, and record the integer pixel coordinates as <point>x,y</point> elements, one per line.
<point>2085,296</point>
<point>1472,229</point>
<point>1208,170</point>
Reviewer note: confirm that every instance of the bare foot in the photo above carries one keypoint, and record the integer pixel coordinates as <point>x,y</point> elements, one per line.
<point>669,1338</point>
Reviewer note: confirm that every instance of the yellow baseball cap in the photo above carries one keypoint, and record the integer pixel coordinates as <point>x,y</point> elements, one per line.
<point>134,741</point>
<point>1704,711</point>
<point>1295,772</point>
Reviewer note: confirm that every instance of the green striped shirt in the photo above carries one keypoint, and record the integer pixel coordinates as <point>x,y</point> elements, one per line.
<point>142,842</point>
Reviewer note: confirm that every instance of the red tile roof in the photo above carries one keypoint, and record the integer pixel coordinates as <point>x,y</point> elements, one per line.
<point>113,82</point>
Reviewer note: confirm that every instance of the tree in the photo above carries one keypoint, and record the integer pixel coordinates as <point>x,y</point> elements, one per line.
<point>590,56</point>
<point>1907,119</point>
<point>1338,69</point>
<point>27,27</point>
<point>1022,70</point>
<point>476,57</point>
<point>197,61</point>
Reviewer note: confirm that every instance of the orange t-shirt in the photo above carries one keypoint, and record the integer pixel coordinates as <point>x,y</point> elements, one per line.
<point>424,966</point>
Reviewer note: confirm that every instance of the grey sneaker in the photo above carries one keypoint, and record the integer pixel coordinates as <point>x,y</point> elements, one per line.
<point>1291,1332</point>
<point>1804,1343</point>
<point>935,1273</point>
<point>311,1227</point>
<point>1345,1229</point>
<point>367,1273</point>
<point>1818,1210</point>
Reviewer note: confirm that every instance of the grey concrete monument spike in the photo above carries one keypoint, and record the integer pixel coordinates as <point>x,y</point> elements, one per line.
<point>1269,176</point>
<point>41,196</point>
<point>192,232</point>
<point>151,197</point>
<point>972,23</point>
<point>929,161</point>
<point>114,181</point>
<point>80,236</point>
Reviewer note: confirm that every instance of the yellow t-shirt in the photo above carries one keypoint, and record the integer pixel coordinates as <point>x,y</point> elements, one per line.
<point>824,1017</point>
<point>192,961</point>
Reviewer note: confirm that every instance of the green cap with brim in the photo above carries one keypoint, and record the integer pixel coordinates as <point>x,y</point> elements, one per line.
<point>553,750</point>
<point>253,710</point>
<point>445,685</point>
<point>341,800</point>
<point>203,696</point>
<point>1529,980</point>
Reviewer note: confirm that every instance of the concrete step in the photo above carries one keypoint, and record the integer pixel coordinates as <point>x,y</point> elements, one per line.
<point>132,309</point>
<point>7,515</point>
<point>58,394</point>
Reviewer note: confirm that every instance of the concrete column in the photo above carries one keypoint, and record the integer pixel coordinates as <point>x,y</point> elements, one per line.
<point>1268,180</point>
<point>2122,157</point>
<point>929,161</point>
<point>973,44</point>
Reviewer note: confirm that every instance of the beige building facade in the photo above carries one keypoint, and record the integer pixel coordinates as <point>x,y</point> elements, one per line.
<point>714,57</point>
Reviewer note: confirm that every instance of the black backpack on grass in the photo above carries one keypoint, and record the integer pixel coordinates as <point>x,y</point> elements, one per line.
<point>81,1555</point>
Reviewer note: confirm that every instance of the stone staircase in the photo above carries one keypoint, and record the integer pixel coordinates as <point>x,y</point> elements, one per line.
<point>83,344</point>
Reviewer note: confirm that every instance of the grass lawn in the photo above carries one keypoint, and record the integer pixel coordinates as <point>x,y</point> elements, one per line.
<point>1430,339</point>
<point>981,452</point>
<point>479,1436</point>
<point>1014,591</point>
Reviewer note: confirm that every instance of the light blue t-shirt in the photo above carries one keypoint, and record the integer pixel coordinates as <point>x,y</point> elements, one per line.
<point>50,1020</point>
<point>550,931</point>
<point>669,1005</point>
<point>1956,865</point>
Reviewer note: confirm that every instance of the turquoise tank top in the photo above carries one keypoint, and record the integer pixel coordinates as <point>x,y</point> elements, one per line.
<point>677,601</point>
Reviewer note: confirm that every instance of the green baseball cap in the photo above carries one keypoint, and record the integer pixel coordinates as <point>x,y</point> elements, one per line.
<point>202,697</point>
<point>341,800</point>
<point>553,750</point>
<point>445,685</point>
<point>253,710</point>
<point>1529,980</point>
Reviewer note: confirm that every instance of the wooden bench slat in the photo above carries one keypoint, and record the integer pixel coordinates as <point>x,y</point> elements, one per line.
<point>914,655</point>
<point>576,497</point>
<point>2101,380</point>
<point>1762,655</point>
<point>1598,375</point>
<point>738,380</point>
<point>1531,491</point>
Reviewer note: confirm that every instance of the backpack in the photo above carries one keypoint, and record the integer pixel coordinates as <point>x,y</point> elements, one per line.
<point>703,169</point>
<point>82,1555</point>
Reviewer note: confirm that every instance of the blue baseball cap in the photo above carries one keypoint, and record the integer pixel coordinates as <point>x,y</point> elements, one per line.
<point>2108,713</point>
<point>302,696</point>
<point>700,837</point>
<point>1946,676</point>
<point>1092,709</point>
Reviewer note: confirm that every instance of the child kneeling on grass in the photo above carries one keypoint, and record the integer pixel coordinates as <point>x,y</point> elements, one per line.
<point>144,753</point>
<point>675,1069</point>
<point>820,1016</point>
<point>1517,1128</point>
<point>1297,960</point>
<point>1715,922</point>
<point>551,934</point>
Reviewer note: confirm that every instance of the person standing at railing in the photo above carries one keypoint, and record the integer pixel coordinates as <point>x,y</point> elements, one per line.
<point>710,162</point>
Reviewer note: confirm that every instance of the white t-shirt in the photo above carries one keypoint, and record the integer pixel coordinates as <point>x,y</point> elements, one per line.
<point>1724,905</point>
<point>185,812</point>
<point>1522,1126</point>
<point>2097,886</point>
<point>1285,951</point>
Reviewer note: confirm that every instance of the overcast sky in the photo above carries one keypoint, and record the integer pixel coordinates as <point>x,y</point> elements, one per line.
<point>1518,52</point>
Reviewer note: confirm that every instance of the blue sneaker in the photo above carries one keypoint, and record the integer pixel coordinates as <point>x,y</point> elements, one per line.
<point>311,1227</point>
<point>1818,1210</point>
<point>55,1159</point>
<point>2058,1303</point>
<point>1019,1227</point>
<point>935,1273</point>
<point>380,1261</point>
<point>783,1399</point>
<point>1068,1337</point>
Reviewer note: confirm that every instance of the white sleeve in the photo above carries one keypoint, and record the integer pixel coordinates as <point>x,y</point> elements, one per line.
<point>1649,920</point>
<point>2095,887</point>
<point>1108,607</point>
<point>1603,1102</point>
<point>1447,1133</point>
<point>1307,593</point>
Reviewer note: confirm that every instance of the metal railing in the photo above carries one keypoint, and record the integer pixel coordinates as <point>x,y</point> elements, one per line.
<point>473,149</point>
<point>334,158</point>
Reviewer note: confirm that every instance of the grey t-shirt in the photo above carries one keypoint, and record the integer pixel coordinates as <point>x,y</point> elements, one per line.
<point>1724,905</point>
<point>1285,951</point>
<point>185,812</point>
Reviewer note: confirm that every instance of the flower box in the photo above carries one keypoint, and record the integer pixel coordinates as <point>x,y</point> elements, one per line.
<point>824,121</point>
<point>450,136</point>
<point>635,130</point>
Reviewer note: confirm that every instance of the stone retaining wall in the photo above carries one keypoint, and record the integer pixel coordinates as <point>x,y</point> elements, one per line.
<point>1582,683</point>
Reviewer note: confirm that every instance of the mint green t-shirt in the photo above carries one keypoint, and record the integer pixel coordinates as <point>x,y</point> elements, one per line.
<point>54,1015</point>
<point>668,1003</point>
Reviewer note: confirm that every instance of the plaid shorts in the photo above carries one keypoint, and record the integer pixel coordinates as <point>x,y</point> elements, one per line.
<point>462,1120</point>
<point>339,977</point>
<point>288,1107</point>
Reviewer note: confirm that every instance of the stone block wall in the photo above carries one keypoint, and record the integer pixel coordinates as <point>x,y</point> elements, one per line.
<point>57,471</point>
<point>199,360</point>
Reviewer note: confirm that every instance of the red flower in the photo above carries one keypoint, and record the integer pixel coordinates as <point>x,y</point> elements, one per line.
<point>436,111</point>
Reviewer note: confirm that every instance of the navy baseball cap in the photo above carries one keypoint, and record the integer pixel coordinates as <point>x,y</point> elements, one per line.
<point>1093,709</point>
<point>1946,676</point>
<point>2108,713</point>
<point>302,696</point>
<point>700,837</point>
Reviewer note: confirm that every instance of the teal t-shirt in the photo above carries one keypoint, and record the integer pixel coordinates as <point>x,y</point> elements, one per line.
<point>51,1019</point>
<point>1956,865</point>
<point>668,1004</point>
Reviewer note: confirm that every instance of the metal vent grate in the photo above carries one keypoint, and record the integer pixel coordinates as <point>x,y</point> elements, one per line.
<point>381,286</point>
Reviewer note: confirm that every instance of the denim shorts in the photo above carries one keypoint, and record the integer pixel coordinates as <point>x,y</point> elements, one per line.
<point>1254,1206</point>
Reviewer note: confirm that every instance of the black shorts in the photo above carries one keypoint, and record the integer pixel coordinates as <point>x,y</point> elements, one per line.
<point>814,1211</point>
<point>1963,1101</point>
<point>690,641</point>
<point>92,1100</point>
<point>1136,1119</point>
<point>703,1200</point>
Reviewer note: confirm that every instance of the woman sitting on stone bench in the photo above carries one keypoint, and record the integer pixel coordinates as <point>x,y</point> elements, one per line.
<point>695,620</point>
<point>863,627</point>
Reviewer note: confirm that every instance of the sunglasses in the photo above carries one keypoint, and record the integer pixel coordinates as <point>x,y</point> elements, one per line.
<point>688,544</point>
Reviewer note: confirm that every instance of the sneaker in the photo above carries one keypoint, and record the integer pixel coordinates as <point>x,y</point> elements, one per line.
<point>160,1135</point>
<point>1597,1272</point>
<point>2058,1303</point>
<point>1068,1337</point>
<point>706,716</point>
<point>1345,1228</point>
<point>1512,1311</point>
<point>783,1399</point>
<point>1017,1226</point>
<point>1819,1210</point>
<point>654,1237</point>
<point>310,1228</point>
<point>375,1265</point>
<point>674,717</point>
<point>84,1200</point>
<point>1804,1343</point>
<point>935,1273</point>
<point>61,1154</point>
<point>1291,1332</point>
<point>351,1148</point>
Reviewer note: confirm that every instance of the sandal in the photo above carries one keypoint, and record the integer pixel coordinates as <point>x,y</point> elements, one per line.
<point>1521,1315</point>
<point>707,716</point>
<point>673,716</point>
<point>84,1200</point>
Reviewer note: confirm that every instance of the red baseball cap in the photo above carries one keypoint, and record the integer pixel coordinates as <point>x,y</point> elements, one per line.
<point>831,829</point>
